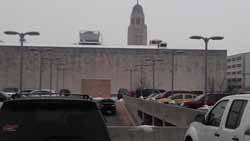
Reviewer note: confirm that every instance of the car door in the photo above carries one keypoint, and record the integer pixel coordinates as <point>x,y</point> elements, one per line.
<point>233,126</point>
<point>213,121</point>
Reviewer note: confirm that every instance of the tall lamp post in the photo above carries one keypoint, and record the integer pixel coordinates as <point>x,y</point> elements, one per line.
<point>22,39</point>
<point>206,39</point>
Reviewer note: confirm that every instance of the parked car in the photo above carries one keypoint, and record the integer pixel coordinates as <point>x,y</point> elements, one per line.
<point>169,93</point>
<point>108,106</point>
<point>52,119</point>
<point>228,120</point>
<point>121,92</point>
<point>152,96</point>
<point>177,98</point>
<point>146,92</point>
<point>10,91</point>
<point>43,93</point>
<point>64,92</point>
<point>3,97</point>
<point>26,91</point>
<point>199,101</point>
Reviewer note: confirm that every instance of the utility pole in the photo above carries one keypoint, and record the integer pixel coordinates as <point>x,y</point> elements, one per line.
<point>173,54</point>
<point>131,70</point>
<point>41,59</point>
<point>141,76</point>
<point>154,61</point>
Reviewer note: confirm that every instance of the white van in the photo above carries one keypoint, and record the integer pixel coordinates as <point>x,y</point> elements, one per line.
<point>228,120</point>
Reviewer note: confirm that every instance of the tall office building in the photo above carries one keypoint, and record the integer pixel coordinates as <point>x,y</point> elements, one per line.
<point>238,71</point>
<point>137,30</point>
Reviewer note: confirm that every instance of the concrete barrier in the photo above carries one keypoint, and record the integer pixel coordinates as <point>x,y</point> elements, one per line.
<point>173,114</point>
<point>146,133</point>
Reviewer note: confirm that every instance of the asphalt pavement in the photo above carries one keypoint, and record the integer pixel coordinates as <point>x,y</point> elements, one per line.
<point>121,118</point>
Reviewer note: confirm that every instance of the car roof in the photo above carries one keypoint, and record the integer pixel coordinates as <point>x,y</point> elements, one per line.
<point>244,96</point>
<point>46,98</point>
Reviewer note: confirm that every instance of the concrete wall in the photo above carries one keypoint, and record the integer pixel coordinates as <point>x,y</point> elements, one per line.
<point>175,115</point>
<point>146,134</point>
<point>96,87</point>
<point>90,62</point>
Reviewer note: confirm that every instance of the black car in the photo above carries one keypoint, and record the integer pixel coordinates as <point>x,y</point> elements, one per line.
<point>52,119</point>
<point>107,106</point>
<point>64,92</point>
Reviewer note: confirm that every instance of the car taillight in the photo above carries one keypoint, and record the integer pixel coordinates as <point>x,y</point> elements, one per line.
<point>10,128</point>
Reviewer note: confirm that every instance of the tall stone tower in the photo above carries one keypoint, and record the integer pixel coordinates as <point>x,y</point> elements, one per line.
<point>137,30</point>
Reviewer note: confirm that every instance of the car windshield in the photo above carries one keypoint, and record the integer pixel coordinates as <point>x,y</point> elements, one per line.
<point>10,90</point>
<point>199,97</point>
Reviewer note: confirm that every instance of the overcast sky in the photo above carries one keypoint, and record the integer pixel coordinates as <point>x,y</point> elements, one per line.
<point>173,21</point>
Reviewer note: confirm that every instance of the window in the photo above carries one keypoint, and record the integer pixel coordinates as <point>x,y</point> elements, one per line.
<point>235,113</point>
<point>239,58</point>
<point>214,117</point>
<point>238,65</point>
<point>177,97</point>
<point>233,66</point>
<point>133,20</point>
<point>233,72</point>
<point>188,96</point>
<point>137,21</point>
<point>228,60</point>
<point>233,59</point>
<point>239,72</point>
<point>228,67</point>
<point>211,97</point>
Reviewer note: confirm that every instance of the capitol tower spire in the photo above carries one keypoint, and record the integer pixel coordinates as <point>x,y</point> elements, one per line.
<point>137,30</point>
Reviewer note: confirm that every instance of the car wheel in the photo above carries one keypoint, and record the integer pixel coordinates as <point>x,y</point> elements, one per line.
<point>188,138</point>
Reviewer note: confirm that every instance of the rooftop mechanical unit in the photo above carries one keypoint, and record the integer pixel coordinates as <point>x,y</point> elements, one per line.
<point>90,38</point>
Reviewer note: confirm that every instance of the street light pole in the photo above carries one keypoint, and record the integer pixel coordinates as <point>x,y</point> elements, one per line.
<point>206,40</point>
<point>22,39</point>
<point>172,71</point>
<point>21,61</point>
<point>50,73</point>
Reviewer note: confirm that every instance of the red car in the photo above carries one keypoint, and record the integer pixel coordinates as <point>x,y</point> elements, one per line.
<point>200,100</point>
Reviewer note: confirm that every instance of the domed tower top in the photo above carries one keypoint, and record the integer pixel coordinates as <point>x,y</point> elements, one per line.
<point>137,11</point>
<point>137,30</point>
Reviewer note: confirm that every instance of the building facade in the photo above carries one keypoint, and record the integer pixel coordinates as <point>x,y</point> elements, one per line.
<point>71,64</point>
<point>238,72</point>
<point>137,30</point>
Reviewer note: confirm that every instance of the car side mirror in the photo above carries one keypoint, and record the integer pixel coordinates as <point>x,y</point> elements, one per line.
<point>247,132</point>
<point>200,118</point>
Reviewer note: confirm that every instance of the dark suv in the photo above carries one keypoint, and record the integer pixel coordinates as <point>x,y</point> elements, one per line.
<point>108,106</point>
<point>52,119</point>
